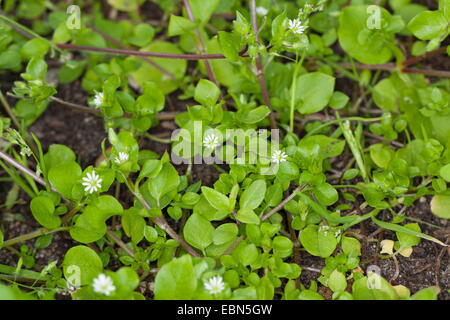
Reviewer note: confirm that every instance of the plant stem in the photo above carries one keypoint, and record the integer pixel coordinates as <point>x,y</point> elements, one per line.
<point>120,45</point>
<point>22,168</point>
<point>34,234</point>
<point>157,139</point>
<point>160,221</point>
<point>76,107</point>
<point>25,31</point>
<point>69,215</point>
<point>424,56</point>
<point>143,53</point>
<point>393,66</point>
<point>200,45</point>
<point>9,111</point>
<point>293,87</point>
<point>267,216</point>
<point>260,72</point>
<point>282,203</point>
<point>119,242</point>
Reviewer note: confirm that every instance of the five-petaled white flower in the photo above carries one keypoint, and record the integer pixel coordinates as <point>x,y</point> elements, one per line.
<point>279,156</point>
<point>211,141</point>
<point>296,26</point>
<point>99,99</point>
<point>215,285</point>
<point>103,284</point>
<point>122,158</point>
<point>92,182</point>
<point>261,11</point>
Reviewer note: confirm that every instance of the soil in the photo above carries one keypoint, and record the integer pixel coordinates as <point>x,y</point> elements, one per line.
<point>83,133</point>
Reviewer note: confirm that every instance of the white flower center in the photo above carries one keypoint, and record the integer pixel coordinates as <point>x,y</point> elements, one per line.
<point>122,158</point>
<point>103,284</point>
<point>92,182</point>
<point>211,141</point>
<point>215,285</point>
<point>99,99</point>
<point>279,156</point>
<point>296,26</point>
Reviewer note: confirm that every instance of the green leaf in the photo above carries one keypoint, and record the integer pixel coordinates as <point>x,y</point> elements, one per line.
<point>374,287</point>
<point>10,59</point>
<point>428,25</point>
<point>313,92</point>
<point>43,211</point>
<point>445,172</point>
<point>407,240</point>
<point>217,200</point>
<point>37,68</point>
<point>254,115</point>
<point>133,224</point>
<point>381,155</point>
<point>282,246</point>
<point>34,48</point>
<point>287,171</point>
<point>81,265</point>
<point>90,226</point>
<point>166,181</point>
<point>350,244</point>
<point>246,215</point>
<point>339,100</point>
<point>176,280</point>
<point>247,254</point>
<point>326,194</point>
<point>386,95</point>
<point>252,197</point>
<point>374,50</point>
<point>56,154</point>
<point>71,71</point>
<point>151,101</point>
<point>397,228</point>
<point>198,231</point>
<point>440,205</point>
<point>202,10</point>
<point>206,93</point>
<point>229,44</point>
<point>124,5</point>
<point>318,243</point>
<point>149,73</point>
<point>226,232</point>
<point>1,239</point>
<point>180,25</point>
<point>429,293</point>
<point>64,176</point>
<point>337,281</point>
<point>350,174</point>
<point>142,35</point>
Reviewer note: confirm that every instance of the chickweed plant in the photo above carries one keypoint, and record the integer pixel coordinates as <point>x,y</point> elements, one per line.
<point>318,119</point>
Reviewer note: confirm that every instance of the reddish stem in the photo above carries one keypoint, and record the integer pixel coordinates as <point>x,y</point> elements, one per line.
<point>76,107</point>
<point>208,67</point>
<point>260,72</point>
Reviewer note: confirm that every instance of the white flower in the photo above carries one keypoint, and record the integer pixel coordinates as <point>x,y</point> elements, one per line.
<point>99,99</point>
<point>122,158</point>
<point>92,182</point>
<point>215,285</point>
<point>279,156</point>
<point>261,11</point>
<point>296,26</point>
<point>211,141</point>
<point>103,284</point>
